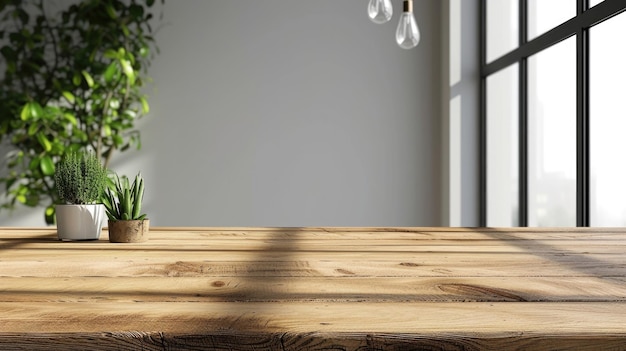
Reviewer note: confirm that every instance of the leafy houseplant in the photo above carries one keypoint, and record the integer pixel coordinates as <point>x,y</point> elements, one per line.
<point>123,201</point>
<point>72,79</point>
<point>81,180</point>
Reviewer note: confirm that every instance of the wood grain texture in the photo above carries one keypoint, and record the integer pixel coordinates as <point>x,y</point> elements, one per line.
<point>316,289</point>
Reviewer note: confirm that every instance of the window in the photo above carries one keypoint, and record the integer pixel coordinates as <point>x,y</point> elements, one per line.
<point>552,117</point>
<point>607,114</point>
<point>544,15</point>
<point>502,162</point>
<point>502,28</point>
<point>552,136</point>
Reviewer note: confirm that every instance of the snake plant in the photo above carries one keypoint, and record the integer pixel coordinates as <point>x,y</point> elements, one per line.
<point>122,199</point>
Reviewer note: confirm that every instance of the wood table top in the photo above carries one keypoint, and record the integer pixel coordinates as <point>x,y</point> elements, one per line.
<point>316,289</point>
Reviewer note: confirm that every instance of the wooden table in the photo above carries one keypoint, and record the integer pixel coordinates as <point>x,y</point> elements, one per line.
<point>316,289</point>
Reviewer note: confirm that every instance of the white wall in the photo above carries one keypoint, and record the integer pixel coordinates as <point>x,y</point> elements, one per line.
<point>289,113</point>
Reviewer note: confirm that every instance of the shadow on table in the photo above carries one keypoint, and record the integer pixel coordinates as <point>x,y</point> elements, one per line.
<point>579,260</point>
<point>16,242</point>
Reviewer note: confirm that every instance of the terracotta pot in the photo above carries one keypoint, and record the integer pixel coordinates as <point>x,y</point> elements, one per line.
<point>133,231</point>
<point>79,222</point>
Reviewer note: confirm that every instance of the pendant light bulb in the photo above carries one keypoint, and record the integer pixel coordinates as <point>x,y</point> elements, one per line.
<point>380,11</point>
<point>407,34</point>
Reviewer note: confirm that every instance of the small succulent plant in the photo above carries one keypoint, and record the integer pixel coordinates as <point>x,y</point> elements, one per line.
<point>123,199</point>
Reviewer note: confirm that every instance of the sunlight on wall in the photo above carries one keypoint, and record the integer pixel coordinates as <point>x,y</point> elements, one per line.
<point>460,112</point>
<point>454,128</point>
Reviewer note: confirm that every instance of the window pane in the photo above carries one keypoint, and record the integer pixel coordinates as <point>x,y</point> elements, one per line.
<point>608,122</point>
<point>502,148</point>
<point>502,27</point>
<point>552,136</point>
<point>593,3</point>
<point>544,15</point>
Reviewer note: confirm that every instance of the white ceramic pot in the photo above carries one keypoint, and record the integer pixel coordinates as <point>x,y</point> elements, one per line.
<point>80,222</point>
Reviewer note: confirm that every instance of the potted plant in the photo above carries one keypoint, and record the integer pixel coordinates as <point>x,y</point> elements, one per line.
<point>81,179</point>
<point>72,76</point>
<point>122,201</point>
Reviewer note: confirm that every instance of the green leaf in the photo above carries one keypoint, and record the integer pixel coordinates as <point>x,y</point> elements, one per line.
<point>25,114</point>
<point>125,30</point>
<point>33,166</point>
<point>92,56</point>
<point>116,125</point>
<point>49,215</point>
<point>144,51</point>
<point>111,72</point>
<point>128,70</point>
<point>69,97</point>
<point>32,200</point>
<point>82,136</point>
<point>21,198</point>
<point>43,140</point>
<point>106,200</point>
<point>111,54</point>
<point>76,79</point>
<point>88,78</point>
<point>130,114</point>
<point>57,148</point>
<point>35,110</point>
<point>47,166</point>
<point>70,118</point>
<point>31,110</point>
<point>136,11</point>
<point>32,130</point>
<point>117,140</point>
<point>111,11</point>
<point>22,189</point>
<point>136,139</point>
<point>114,104</point>
<point>131,57</point>
<point>107,130</point>
<point>50,113</point>
<point>138,187</point>
<point>127,202</point>
<point>144,105</point>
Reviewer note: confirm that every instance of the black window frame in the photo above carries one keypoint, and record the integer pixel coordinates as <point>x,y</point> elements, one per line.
<point>577,26</point>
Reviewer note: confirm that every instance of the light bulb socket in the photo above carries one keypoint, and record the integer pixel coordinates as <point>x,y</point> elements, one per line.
<point>408,5</point>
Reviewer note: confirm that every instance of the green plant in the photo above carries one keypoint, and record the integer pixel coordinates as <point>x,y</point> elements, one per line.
<point>122,199</point>
<point>71,81</point>
<point>80,178</point>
